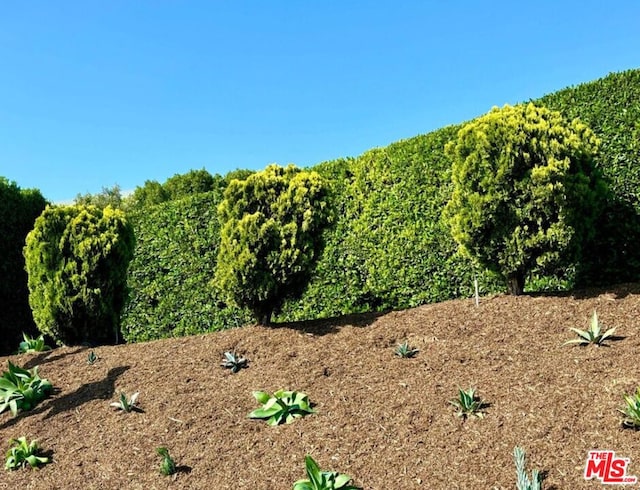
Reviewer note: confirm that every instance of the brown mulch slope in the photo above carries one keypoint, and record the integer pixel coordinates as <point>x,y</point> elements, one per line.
<point>383,420</point>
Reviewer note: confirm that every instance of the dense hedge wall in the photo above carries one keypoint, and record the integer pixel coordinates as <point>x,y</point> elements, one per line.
<point>170,275</point>
<point>388,249</point>
<point>19,209</point>
<point>611,107</point>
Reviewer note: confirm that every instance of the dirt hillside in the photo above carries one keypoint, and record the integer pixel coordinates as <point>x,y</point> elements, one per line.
<point>385,421</point>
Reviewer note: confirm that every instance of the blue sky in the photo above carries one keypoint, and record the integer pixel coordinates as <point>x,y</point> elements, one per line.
<point>96,93</point>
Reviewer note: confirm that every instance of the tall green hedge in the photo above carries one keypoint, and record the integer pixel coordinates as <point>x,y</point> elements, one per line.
<point>388,247</point>
<point>19,209</point>
<point>170,277</point>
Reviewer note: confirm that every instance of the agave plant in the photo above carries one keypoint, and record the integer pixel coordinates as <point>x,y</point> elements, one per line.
<point>523,482</point>
<point>30,345</point>
<point>22,389</point>
<point>403,350</point>
<point>593,335</point>
<point>91,358</point>
<point>322,480</point>
<point>631,410</point>
<point>126,404</point>
<point>23,453</point>
<point>233,361</point>
<point>167,465</point>
<point>468,404</point>
<point>282,406</point>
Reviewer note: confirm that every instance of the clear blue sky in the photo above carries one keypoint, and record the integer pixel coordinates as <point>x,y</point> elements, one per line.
<point>101,92</point>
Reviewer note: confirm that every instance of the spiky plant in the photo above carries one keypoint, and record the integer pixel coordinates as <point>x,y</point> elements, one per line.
<point>594,335</point>
<point>234,362</point>
<point>403,350</point>
<point>523,482</point>
<point>126,404</point>
<point>468,404</point>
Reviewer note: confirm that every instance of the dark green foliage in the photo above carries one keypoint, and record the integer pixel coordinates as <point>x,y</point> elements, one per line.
<point>19,209</point>
<point>610,106</point>
<point>109,196</point>
<point>193,182</point>
<point>150,194</point>
<point>181,186</point>
<point>526,192</point>
<point>77,259</point>
<point>270,237</point>
<point>170,274</point>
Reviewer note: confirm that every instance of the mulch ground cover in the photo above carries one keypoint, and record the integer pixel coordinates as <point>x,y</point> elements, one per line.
<point>384,420</point>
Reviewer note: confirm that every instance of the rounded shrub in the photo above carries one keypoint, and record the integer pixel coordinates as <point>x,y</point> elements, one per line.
<point>77,259</point>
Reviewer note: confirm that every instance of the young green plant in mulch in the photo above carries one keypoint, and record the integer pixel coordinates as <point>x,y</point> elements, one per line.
<point>167,465</point>
<point>523,482</point>
<point>468,404</point>
<point>24,453</point>
<point>405,351</point>
<point>22,389</point>
<point>30,345</point>
<point>282,406</point>
<point>92,358</point>
<point>593,336</point>
<point>234,362</point>
<point>322,480</point>
<point>631,410</point>
<point>127,404</point>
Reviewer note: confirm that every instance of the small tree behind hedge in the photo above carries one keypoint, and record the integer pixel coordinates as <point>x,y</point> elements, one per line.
<point>526,190</point>
<point>77,259</point>
<point>270,237</point>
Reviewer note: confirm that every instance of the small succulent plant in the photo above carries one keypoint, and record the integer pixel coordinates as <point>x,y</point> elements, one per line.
<point>322,480</point>
<point>24,453</point>
<point>631,410</point>
<point>405,351</point>
<point>126,404</point>
<point>594,335</point>
<point>30,345</point>
<point>282,406</point>
<point>523,482</point>
<point>167,465</point>
<point>22,389</point>
<point>234,362</point>
<point>91,358</point>
<point>468,404</point>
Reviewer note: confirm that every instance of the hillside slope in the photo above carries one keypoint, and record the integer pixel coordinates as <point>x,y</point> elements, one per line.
<point>383,420</point>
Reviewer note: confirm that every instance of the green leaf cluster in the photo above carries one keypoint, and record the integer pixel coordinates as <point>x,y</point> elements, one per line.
<point>322,480</point>
<point>24,453</point>
<point>281,407</point>
<point>22,389</point>
<point>271,233</point>
<point>30,344</point>
<point>77,259</point>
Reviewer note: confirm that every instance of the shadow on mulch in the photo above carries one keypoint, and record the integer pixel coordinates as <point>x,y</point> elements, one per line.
<point>619,291</point>
<point>102,390</point>
<point>327,326</point>
<point>45,357</point>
